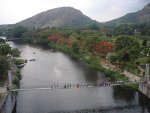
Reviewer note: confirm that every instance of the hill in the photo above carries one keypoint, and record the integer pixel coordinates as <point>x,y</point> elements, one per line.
<point>142,16</point>
<point>63,16</point>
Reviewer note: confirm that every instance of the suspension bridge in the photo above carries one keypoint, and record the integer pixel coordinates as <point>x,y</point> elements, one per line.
<point>69,86</point>
<point>30,83</point>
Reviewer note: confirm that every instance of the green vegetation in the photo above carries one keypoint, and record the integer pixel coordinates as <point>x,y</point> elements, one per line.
<point>4,66</point>
<point>17,78</point>
<point>122,46</point>
<point>19,61</point>
<point>142,61</point>
<point>15,32</point>
<point>15,53</point>
<point>93,62</point>
<point>132,85</point>
<point>6,52</point>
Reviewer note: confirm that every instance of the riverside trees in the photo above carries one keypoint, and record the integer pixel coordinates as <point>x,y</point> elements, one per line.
<point>5,53</point>
<point>122,44</point>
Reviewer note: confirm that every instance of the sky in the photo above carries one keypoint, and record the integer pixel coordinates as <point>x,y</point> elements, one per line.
<point>13,11</point>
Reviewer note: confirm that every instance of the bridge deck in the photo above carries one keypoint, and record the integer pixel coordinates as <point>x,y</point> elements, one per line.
<point>69,86</point>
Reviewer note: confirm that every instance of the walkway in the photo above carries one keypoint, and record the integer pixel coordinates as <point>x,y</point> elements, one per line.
<point>69,86</point>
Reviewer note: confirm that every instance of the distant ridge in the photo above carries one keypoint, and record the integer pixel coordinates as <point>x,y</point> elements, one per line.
<point>138,17</point>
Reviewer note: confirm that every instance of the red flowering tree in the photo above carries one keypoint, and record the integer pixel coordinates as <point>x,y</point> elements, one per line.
<point>103,48</point>
<point>54,38</point>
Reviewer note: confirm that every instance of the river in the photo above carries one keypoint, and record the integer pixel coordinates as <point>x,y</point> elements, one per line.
<point>56,67</point>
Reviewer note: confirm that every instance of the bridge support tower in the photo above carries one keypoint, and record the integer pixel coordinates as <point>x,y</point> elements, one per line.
<point>147,73</point>
<point>9,81</point>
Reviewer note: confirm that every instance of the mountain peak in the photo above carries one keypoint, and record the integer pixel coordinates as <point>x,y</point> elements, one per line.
<point>62,16</point>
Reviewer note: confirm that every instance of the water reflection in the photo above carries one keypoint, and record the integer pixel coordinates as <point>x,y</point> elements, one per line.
<point>120,93</point>
<point>144,103</point>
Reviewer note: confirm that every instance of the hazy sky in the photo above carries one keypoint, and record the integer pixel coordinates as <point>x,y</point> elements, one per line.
<point>12,11</point>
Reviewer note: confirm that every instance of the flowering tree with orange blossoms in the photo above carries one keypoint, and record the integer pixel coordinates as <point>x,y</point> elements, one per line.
<point>104,48</point>
<point>54,38</point>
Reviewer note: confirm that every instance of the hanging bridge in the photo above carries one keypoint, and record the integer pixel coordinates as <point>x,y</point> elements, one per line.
<point>55,86</point>
<point>31,83</point>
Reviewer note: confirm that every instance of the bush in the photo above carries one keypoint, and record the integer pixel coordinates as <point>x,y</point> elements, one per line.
<point>17,78</point>
<point>19,61</point>
<point>113,58</point>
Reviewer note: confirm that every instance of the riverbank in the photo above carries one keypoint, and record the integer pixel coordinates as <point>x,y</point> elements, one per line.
<point>103,65</point>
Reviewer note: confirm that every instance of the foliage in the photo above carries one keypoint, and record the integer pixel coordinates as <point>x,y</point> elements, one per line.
<point>4,66</point>
<point>17,78</point>
<point>19,61</point>
<point>142,61</point>
<point>5,52</point>
<point>93,26</point>
<point>53,38</point>
<point>127,48</point>
<point>132,85</point>
<point>29,36</point>
<point>16,32</point>
<point>15,53</point>
<point>114,58</point>
<point>75,47</point>
<point>5,49</point>
<point>124,29</point>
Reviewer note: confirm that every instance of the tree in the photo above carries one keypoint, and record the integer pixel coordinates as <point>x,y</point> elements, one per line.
<point>29,36</point>
<point>75,47</point>
<point>54,38</point>
<point>93,26</point>
<point>15,53</point>
<point>18,31</point>
<point>5,49</point>
<point>145,48</point>
<point>4,66</point>
<point>103,48</point>
<point>127,48</point>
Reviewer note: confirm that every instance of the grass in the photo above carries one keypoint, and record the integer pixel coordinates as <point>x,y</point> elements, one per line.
<point>143,61</point>
<point>19,61</point>
<point>17,78</point>
<point>132,85</point>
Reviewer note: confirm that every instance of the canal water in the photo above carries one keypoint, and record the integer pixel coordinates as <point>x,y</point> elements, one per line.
<point>56,67</point>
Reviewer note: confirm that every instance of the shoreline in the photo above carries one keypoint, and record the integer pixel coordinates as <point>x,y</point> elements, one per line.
<point>102,64</point>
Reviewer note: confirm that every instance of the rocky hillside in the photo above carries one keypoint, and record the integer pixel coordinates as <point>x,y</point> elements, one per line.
<point>63,16</point>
